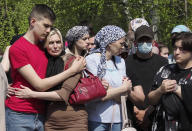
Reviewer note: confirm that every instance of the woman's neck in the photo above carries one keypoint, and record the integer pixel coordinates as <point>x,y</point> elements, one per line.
<point>108,55</point>
<point>77,52</point>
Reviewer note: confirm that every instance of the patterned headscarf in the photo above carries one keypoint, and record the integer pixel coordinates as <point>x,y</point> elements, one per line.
<point>75,33</point>
<point>105,36</point>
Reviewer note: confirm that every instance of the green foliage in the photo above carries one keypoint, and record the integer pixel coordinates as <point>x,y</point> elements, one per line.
<point>164,13</point>
<point>5,31</point>
<point>168,14</point>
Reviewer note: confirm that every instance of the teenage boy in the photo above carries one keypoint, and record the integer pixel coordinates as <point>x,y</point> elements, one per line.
<point>172,87</point>
<point>29,64</point>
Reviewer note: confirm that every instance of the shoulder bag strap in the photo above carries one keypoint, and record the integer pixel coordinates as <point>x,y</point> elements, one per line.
<point>125,122</point>
<point>113,115</point>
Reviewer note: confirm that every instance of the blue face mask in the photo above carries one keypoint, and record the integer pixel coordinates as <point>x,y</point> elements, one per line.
<point>144,47</point>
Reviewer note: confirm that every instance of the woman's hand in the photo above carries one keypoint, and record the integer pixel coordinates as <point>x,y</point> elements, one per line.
<point>127,84</point>
<point>177,90</point>
<point>105,84</point>
<point>10,91</point>
<point>23,92</point>
<point>78,64</point>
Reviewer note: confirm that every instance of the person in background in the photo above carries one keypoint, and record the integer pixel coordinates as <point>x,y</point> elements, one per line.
<point>163,51</point>
<point>155,48</point>
<point>91,43</point>
<point>104,62</point>
<point>179,29</point>
<point>3,90</point>
<point>5,60</point>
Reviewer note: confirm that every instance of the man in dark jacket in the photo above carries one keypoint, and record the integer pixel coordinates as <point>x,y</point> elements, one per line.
<point>172,87</point>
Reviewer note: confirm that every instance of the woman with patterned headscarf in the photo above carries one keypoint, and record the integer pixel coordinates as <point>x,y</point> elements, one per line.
<point>60,116</point>
<point>104,62</point>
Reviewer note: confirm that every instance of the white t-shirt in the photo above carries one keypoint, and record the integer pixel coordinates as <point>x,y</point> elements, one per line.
<point>103,111</point>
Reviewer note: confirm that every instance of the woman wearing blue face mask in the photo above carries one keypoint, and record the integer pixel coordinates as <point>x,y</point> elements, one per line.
<point>144,64</point>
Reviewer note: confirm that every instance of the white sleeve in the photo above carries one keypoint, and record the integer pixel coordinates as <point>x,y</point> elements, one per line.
<point>123,67</point>
<point>91,64</point>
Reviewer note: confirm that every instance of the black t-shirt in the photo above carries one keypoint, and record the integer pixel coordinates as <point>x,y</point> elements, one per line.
<point>180,73</point>
<point>145,70</point>
<point>135,81</point>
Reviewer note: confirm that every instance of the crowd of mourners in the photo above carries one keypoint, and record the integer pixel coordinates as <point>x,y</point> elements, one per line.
<point>35,85</point>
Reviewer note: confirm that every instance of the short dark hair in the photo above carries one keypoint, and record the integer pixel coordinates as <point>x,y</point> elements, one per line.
<point>42,10</point>
<point>161,46</point>
<point>186,40</point>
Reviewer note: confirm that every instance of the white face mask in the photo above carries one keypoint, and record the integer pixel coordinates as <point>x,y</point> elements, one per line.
<point>144,47</point>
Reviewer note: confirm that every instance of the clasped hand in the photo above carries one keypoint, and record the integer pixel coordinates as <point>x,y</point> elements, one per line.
<point>168,86</point>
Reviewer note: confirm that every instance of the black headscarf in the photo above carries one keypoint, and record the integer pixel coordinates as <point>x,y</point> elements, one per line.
<point>54,67</point>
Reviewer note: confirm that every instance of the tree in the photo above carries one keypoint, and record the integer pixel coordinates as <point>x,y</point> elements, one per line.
<point>164,14</point>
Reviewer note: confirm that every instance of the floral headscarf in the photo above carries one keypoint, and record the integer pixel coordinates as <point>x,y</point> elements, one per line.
<point>75,33</point>
<point>105,36</point>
